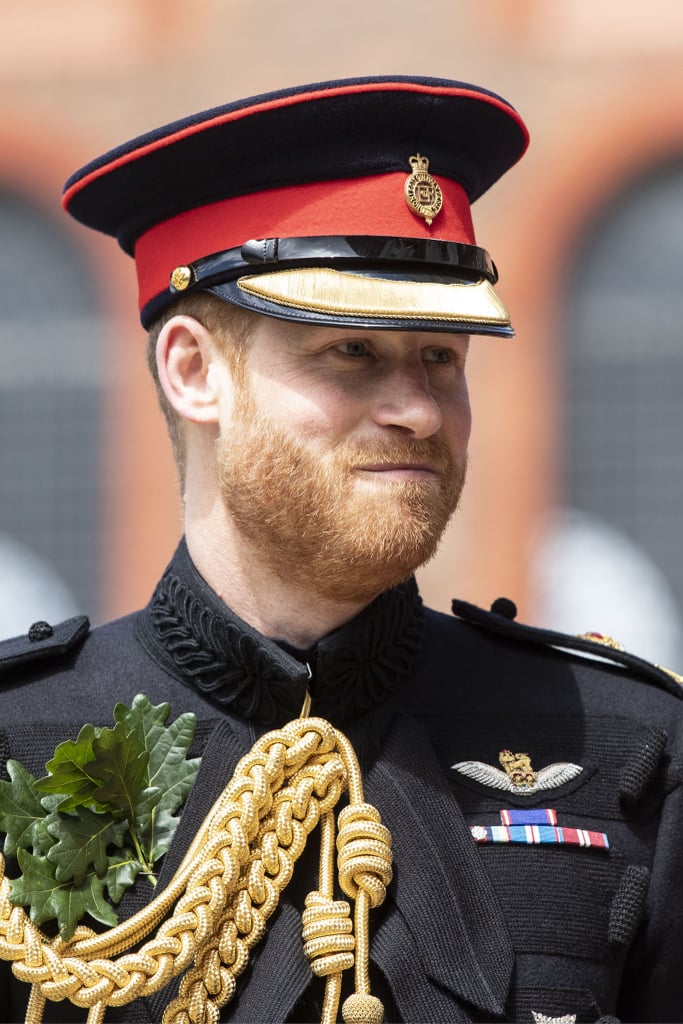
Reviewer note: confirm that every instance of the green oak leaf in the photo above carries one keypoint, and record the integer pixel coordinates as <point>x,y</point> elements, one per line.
<point>107,788</point>
<point>71,772</point>
<point>156,830</point>
<point>167,747</point>
<point>22,815</point>
<point>168,769</point>
<point>47,898</point>
<point>123,869</point>
<point>121,766</point>
<point>82,842</point>
<point>146,719</point>
<point>158,836</point>
<point>44,840</point>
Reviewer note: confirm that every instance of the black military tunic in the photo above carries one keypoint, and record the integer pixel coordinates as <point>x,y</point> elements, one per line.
<point>588,926</point>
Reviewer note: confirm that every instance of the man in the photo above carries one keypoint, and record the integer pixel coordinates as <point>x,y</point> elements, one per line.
<point>310,279</point>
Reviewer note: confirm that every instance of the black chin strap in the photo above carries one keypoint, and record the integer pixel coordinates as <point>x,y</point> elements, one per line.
<point>367,252</point>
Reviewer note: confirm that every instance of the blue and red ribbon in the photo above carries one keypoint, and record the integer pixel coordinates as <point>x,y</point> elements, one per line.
<point>536,826</point>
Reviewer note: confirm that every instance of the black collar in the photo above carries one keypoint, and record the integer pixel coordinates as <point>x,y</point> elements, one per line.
<point>197,639</point>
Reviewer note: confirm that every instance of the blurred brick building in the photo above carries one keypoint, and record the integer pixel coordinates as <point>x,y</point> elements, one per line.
<point>576,474</point>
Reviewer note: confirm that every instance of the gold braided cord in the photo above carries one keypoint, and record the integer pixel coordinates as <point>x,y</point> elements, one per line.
<point>216,907</point>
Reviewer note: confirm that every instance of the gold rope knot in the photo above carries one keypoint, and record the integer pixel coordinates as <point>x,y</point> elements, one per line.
<point>328,934</point>
<point>364,853</point>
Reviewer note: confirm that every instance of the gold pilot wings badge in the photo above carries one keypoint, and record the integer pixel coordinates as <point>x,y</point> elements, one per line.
<point>517,775</point>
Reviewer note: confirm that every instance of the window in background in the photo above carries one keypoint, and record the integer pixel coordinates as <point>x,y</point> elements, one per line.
<point>51,409</point>
<point>623,426</point>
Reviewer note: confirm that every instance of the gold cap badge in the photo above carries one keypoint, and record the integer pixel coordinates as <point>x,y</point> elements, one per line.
<point>422,192</point>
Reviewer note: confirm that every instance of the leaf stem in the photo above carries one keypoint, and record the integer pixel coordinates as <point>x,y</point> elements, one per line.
<point>142,857</point>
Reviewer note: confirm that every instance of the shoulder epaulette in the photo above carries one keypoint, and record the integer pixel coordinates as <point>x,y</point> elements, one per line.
<point>43,642</point>
<point>501,620</point>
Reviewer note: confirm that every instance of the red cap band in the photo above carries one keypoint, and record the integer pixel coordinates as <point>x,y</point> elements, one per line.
<point>354,206</point>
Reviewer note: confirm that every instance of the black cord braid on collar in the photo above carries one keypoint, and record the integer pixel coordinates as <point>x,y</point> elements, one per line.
<point>214,655</point>
<point>201,642</point>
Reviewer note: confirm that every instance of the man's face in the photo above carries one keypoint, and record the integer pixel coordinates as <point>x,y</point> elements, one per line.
<point>343,454</point>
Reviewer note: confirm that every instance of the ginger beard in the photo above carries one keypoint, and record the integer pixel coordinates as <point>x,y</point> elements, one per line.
<point>315,522</point>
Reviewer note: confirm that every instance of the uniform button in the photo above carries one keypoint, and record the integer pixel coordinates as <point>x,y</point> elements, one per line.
<point>505,607</point>
<point>40,631</point>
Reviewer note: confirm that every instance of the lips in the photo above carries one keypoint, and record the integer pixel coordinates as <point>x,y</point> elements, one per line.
<point>398,467</point>
<point>404,457</point>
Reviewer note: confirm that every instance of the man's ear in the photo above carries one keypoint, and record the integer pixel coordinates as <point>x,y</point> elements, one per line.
<point>189,365</point>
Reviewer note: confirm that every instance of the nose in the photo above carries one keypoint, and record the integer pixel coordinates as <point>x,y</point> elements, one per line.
<point>405,400</point>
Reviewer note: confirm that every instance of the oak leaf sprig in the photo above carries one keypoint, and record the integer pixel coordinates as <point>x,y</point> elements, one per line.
<point>104,814</point>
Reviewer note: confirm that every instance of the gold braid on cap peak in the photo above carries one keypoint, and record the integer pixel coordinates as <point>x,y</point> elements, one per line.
<point>327,291</point>
<point>226,888</point>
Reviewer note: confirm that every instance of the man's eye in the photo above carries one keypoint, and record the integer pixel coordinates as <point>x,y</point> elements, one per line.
<point>353,348</point>
<point>438,355</point>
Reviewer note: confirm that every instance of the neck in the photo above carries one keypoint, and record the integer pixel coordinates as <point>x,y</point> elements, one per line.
<point>275,607</point>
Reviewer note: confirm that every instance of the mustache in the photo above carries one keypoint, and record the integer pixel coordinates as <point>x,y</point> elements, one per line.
<point>432,452</point>
<point>429,451</point>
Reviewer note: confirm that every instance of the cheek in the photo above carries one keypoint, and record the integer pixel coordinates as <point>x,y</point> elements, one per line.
<point>457,418</point>
<point>321,411</point>
<point>229,397</point>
